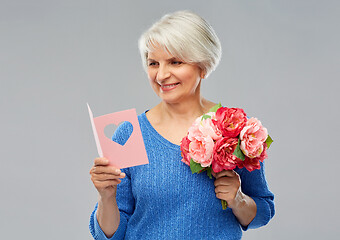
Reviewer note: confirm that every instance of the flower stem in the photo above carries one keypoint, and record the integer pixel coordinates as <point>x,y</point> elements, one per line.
<point>224,204</point>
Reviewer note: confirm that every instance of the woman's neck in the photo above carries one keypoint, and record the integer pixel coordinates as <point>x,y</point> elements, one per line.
<point>183,111</point>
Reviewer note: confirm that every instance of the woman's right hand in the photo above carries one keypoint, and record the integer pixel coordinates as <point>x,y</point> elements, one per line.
<point>105,177</point>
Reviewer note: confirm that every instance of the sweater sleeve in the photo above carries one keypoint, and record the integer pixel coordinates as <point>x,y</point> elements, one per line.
<point>254,184</point>
<point>124,196</point>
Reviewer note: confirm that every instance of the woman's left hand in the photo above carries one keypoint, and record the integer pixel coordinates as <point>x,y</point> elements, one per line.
<point>228,187</point>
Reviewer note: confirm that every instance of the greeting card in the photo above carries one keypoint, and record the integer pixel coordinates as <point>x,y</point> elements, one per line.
<point>132,153</point>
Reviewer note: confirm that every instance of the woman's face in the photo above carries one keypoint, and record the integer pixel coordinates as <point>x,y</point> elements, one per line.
<point>172,79</point>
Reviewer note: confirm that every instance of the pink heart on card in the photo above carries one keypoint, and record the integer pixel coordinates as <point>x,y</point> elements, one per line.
<point>111,128</point>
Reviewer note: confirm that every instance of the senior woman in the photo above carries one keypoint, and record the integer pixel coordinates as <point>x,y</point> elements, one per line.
<point>163,199</point>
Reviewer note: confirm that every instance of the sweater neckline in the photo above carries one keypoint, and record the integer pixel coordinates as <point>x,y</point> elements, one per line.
<point>157,135</point>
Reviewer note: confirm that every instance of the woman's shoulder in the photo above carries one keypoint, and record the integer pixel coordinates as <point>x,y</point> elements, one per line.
<point>208,105</point>
<point>153,113</point>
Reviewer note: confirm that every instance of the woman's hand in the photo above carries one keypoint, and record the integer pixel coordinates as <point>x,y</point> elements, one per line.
<point>105,178</point>
<point>228,187</point>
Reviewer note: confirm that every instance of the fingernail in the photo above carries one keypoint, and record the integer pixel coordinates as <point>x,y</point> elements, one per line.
<point>118,171</point>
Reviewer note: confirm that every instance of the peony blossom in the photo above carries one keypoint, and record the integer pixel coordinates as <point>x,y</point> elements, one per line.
<point>252,138</point>
<point>208,127</point>
<point>185,150</point>
<point>201,146</point>
<point>231,121</point>
<point>201,150</point>
<point>194,130</point>
<point>223,158</point>
<point>254,163</point>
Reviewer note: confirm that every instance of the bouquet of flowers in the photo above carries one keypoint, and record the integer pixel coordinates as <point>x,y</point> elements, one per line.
<point>223,139</point>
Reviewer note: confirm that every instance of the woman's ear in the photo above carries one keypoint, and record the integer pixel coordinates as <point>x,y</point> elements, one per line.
<point>202,74</point>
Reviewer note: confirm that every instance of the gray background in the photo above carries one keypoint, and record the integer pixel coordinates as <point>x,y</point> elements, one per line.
<point>280,63</point>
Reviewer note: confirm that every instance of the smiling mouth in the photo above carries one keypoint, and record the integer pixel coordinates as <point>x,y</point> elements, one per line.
<point>169,85</point>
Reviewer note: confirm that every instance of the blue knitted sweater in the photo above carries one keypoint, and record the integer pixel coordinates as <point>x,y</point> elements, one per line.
<point>164,200</point>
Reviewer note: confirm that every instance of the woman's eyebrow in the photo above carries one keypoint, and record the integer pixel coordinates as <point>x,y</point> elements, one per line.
<point>170,59</point>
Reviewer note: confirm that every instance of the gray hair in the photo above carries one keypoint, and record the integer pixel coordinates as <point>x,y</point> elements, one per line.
<point>184,35</point>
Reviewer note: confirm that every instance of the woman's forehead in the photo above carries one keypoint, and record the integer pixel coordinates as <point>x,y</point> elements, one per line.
<point>160,52</point>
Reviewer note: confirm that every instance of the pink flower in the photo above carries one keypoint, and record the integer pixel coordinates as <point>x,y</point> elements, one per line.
<point>223,158</point>
<point>194,129</point>
<point>185,150</point>
<point>201,146</point>
<point>254,163</point>
<point>230,121</point>
<point>252,138</point>
<point>208,127</point>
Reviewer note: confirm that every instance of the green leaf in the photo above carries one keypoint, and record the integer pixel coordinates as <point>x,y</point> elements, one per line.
<point>205,116</point>
<point>195,167</point>
<point>209,172</point>
<point>214,108</point>
<point>238,152</point>
<point>269,141</point>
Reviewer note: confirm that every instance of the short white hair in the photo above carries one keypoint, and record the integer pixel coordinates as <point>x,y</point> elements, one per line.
<point>184,35</point>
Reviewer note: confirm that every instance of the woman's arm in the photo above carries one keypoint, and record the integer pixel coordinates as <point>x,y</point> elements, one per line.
<point>108,215</point>
<point>250,199</point>
<point>244,209</point>
<point>105,178</point>
<point>228,188</point>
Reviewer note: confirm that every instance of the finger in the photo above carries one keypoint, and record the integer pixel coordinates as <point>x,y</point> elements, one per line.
<point>101,161</point>
<point>222,189</point>
<point>106,169</point>
<point>106,177</point>
<point>223,181</point>
<point>223,196</point>
<point>226,173</point>
<point>105,184</point>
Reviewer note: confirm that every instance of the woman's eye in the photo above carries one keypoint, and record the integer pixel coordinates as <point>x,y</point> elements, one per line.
<point>152,63</point>
<point>177,62</point>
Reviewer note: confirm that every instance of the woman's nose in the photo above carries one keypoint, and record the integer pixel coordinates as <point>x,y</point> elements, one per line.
<point>163,73</point>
